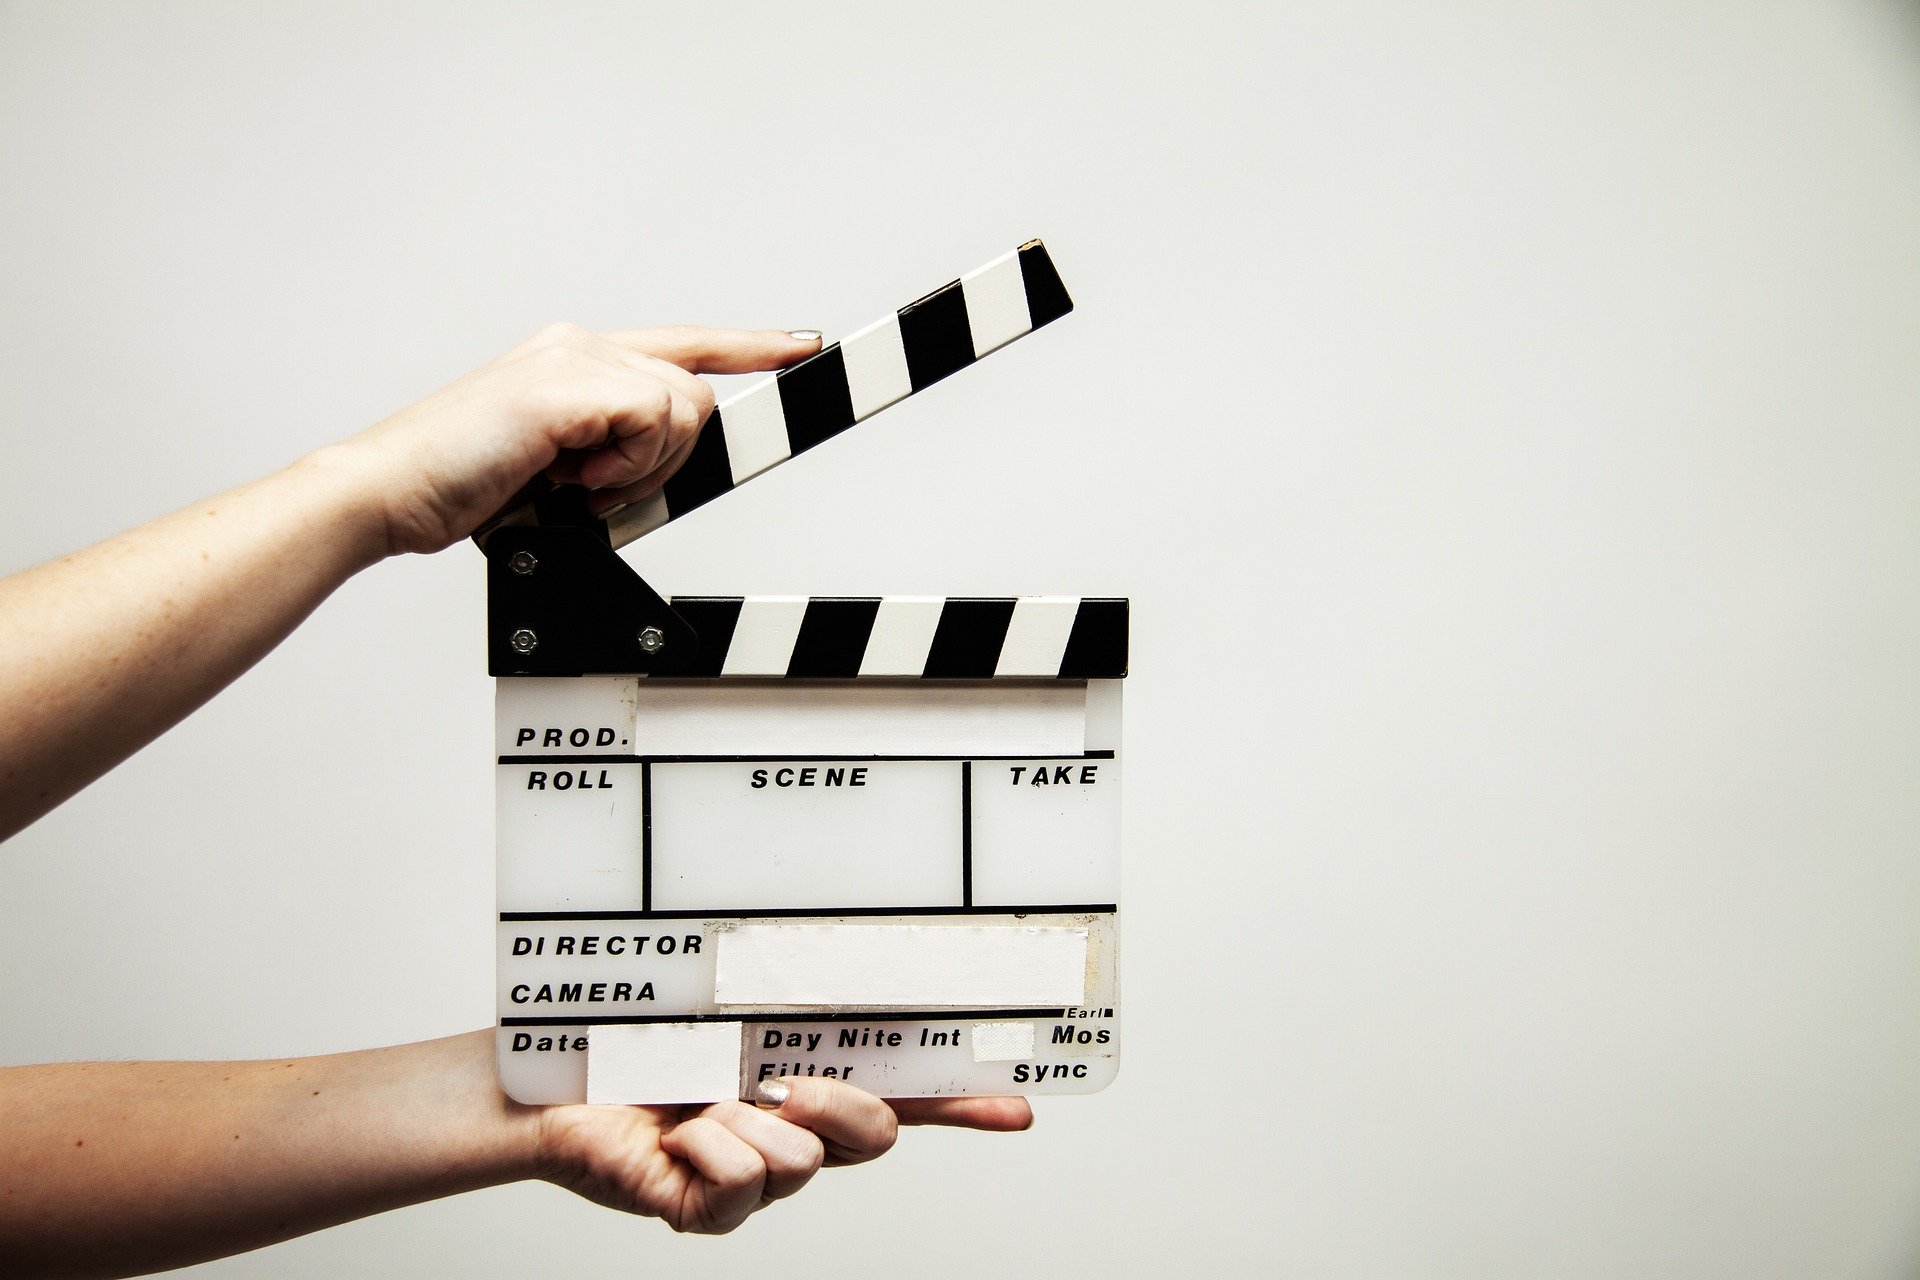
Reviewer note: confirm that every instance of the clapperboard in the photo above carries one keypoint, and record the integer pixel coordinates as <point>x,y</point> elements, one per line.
<point>869,839</point>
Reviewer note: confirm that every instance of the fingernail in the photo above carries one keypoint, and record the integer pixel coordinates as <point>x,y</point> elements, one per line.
<point>804,335</point>
<point>773,1092</point>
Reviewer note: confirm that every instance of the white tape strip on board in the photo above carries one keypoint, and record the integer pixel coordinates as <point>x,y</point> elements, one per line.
<point>663,1062</point>
<point>904,965</point>
<point>1003,1041</point>
<point>713,719</point>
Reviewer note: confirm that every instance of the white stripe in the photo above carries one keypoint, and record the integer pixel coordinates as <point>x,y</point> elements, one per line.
<point>900,965</point>
<point>876,367</point>
<point>763,639</point>
<point>996,297</point>
<point>664,1062</point>
<point>637,519</point>
<point>755,431</point>
<point>1037,636</point>
<point>902,633</point>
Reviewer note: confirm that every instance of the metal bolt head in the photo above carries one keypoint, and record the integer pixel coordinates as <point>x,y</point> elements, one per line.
<point>652,640</point>
<point>523,641</point>
<point>522,562</point>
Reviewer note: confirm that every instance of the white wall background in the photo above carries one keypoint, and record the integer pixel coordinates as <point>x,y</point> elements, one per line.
<point>1505,418</point>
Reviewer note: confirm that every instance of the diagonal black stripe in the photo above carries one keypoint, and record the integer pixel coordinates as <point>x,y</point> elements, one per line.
<point>833,638</point>
<point>815,399</point>
<point>1097,645</point>
<point>705,475</point>
<point>966,644</point>
<point>713,619</point>
<point>1047,298</point>
<point>935,336</point>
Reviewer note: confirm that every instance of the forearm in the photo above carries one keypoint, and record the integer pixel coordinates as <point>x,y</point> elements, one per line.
<point>110,646</point>
<point>107,648</point>
<point>111,1169</point>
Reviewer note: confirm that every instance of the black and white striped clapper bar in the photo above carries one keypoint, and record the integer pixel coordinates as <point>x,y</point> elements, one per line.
<point>874,839</point>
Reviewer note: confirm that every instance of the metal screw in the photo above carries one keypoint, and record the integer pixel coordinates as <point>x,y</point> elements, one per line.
<point>652,640</point>
<point>522,562</point>
<point>523,641</point>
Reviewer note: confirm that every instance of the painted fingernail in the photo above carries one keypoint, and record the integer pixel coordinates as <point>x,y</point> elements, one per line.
<point>804,335</point>
<point>773,1092</point>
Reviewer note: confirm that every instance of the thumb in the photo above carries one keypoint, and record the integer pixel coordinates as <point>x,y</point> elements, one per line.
<point>698,349</point>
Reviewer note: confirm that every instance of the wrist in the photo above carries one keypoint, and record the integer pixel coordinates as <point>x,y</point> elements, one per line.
<point>353,493</point>
<point>512,1143</point>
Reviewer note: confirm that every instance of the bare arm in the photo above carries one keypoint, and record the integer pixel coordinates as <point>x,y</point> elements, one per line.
<point>109,647</point>
<point>114,1169</point>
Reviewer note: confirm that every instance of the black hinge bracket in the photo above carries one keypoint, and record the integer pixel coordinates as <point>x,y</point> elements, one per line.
<point>561,602</point>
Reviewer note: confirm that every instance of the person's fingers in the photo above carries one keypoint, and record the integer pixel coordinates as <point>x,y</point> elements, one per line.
<point>696,391</point>
<point>995,1115</point>
<point>628,423</point>
<point>791,1154</point>
<point>579,401</point>
<point>565,469</point>
<point>636,451</point>
<point>626,408</point>
<point>854,1125</point>
<point>606,500</point>
<point>698,349</point>
<point>732,1174</point>
<point>602,502</point>
<point>692,348</point>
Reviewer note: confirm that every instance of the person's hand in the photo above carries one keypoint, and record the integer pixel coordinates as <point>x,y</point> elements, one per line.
<point>615,412</point>
<point>705,1169</point>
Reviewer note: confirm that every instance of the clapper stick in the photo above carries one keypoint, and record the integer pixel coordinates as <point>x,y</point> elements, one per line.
<point>843,384</point>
